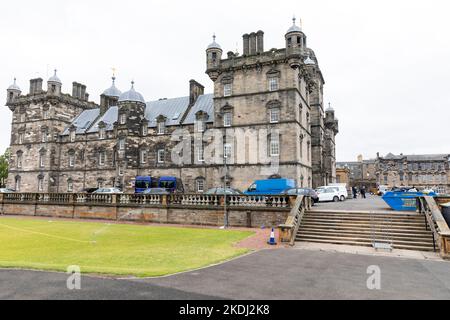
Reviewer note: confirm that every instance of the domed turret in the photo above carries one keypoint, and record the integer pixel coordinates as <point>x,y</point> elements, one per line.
<point>54,85</point>
<point>131,96</point>
<point>13,92</point>
<point>295,43</point>
<point>213,59</point>
<point>113,91</point>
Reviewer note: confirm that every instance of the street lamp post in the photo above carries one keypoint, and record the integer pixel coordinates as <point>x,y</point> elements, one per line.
<point>225,157</point>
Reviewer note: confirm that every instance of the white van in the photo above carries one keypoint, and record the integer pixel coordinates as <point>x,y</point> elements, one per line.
<point>343,191</point>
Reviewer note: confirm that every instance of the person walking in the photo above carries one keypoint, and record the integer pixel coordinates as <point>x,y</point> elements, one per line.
<point>363,192</point>
<point>355,192</point>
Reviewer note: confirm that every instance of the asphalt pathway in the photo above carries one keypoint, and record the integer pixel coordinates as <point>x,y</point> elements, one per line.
<point>270,274</point>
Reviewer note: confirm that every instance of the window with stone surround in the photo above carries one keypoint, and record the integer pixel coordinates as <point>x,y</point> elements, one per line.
<point>71,158</point>
<point>122,144</point>
<point>42,159</point>
<point>17,183</point>
<point>73,134</point>
<point>200,185</point>
<point>102,157</point>
<point>161,127</point>
<point>145,130</point>
<point>69,185</point>
<point>40,184</point>
<point>274,145</point>
<point>227,89</point>
<point>274,115</point>
<point>143,156</point>
<point>273,84</point>
<point>44,136</point>
<point>227,119</point>
<point>200,152</point>
<point>19,159</point>
<point>161,154</point>
<point>21,137</point>
<point>123,118</point>
<point>102,133</point>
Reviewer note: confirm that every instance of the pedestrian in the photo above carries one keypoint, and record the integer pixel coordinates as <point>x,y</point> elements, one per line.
<point>363,192</point>
<point>355,192</point>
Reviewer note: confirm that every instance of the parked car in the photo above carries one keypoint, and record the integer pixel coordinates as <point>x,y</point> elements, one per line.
<point>156,191</point>
<point>89,190</point>
<point>328,194</point>
<point>342,187</point>
<point>270,187</point>
<point>7,190</point>
<point>108,191</point>
<point>304,192</point>
<point>219,191</point>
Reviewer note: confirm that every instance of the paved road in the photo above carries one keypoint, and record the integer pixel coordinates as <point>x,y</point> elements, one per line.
<point>372,203</point>
<point>272,274</point>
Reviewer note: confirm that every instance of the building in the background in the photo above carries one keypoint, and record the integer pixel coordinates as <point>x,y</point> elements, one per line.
<point>420,171</point>
<point>343,176</point>
<point>362,172</point>
<point>62,142</point>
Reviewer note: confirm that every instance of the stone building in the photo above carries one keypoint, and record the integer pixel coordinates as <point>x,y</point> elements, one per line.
<point>361,172</point>
<point>266,114</point>
<point>421,171</point>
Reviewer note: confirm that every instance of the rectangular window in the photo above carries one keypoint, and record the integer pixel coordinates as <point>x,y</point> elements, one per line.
<point>227,90</point>
<point>274,147</point>
<point>227,150</point>
<point>17,185</point>
<point>200,126</point>
<point>41,161</point>
<point>19,161</point>
<point>200,153</point>
<point>200,186</point>
<point>44,136</point>
<point>72,136</point>
<point>123,118</point>
<point>122,144</point>
<point>71,160</point>
<point>102,134</point>
<point>144,130</point>
<point>273,84</point>
<point>227,119</point>
<point>102,158</point>
<point>23,117</point>
<point>161,127</point>
<point>41,185</point>
<point>21,138</point>
<point>69,186</point>
<point>161,156</point>
<point>143,156</point>
<point>274,115</point>
<point>120,171</point>
<point>45,114</point>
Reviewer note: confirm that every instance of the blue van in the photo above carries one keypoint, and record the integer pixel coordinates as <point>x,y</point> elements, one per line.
<point>143,183</point>
<point>270,187</point>
<point>171,184</point>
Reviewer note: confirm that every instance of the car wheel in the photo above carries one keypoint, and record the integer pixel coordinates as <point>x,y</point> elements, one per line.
<point>342,198</point>
<point>336,199</point>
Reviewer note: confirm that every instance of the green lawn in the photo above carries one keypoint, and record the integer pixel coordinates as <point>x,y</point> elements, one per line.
<point>114,249</point>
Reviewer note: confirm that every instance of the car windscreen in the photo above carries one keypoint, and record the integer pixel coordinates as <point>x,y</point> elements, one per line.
<point>167,184</point>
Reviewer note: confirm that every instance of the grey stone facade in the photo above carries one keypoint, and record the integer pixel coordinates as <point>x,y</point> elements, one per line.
<point>62,142</point>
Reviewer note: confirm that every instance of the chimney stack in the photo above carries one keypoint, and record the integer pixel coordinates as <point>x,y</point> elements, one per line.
<point>195,90</point>
<point>252,43</point>
<point>246,38</point>
<point>35,86</point>
<point>260,39</point>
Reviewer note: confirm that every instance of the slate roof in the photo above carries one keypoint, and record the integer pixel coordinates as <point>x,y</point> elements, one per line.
<point>173,109</point>
<point>84,121</point>
<point>418,157</point>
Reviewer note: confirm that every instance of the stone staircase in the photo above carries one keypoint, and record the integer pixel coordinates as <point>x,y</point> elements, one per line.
<point>401,230</point>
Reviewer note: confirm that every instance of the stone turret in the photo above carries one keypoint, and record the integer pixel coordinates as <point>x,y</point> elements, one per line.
<point>13,92</point>
<point>295,45</point>
<point>213,58</point>
<point>54,85</point>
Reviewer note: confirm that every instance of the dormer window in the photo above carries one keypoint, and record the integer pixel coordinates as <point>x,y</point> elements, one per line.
<point>227,90</point>
<point>161,127</point>
<point>72,136</point>
<point>123,118</point>
<point>145,130</point>
<point>102,133</point>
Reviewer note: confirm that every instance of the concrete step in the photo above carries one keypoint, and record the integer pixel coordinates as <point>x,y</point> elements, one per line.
<point>355,219</point>
<point>369,234</point>
<point>363,225</point>
<point>366,244</point>
<point>365,222</point>
<point>355,239</point>
<point>359,217</point>
<point>369,213</point>
<point>368,230</point>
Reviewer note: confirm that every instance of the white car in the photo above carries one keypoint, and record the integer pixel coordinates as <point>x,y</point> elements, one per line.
<point>342,188</point>
<point>329,194</point>
<point>108,191</point>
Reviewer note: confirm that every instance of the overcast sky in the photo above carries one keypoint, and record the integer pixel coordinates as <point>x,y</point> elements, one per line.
<point>386,63</point>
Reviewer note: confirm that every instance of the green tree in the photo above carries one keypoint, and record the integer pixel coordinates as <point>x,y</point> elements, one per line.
<point>4,167</point>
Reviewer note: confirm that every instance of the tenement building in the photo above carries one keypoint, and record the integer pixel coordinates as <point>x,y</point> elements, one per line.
<point>265,118</point>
